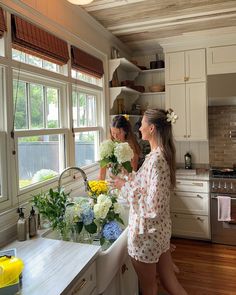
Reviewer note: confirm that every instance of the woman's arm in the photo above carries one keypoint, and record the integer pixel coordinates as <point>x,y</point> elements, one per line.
<point>102,173</point>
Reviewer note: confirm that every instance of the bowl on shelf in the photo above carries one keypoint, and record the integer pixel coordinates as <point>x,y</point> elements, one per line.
<point>157,88</point>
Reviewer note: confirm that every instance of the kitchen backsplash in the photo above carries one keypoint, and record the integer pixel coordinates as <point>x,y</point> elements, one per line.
<point>222,124</point>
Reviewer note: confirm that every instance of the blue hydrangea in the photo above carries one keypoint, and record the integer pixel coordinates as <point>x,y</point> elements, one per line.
<point>87,215</point>
<point>111,231</point>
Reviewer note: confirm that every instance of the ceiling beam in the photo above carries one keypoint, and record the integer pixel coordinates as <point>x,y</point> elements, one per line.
<point>170,21</point>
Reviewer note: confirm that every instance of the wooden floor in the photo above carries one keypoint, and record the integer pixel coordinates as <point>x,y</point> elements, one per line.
<point>205,268</point>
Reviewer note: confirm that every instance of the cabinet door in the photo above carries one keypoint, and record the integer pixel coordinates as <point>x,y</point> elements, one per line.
<point>175,67</point>
<point>186,225</point>
<point>196,111</point>
<point>221,59</point>
<point>175,99</point>
<point>195,66</point>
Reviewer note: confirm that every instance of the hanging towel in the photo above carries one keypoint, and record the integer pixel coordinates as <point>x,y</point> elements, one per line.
<point>224,208</point>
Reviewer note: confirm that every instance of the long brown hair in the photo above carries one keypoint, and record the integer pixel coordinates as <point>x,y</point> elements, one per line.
<point>121,122</point>
<point>158,118</point>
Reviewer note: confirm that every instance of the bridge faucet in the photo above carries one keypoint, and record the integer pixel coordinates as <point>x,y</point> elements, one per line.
<point>86,185</point>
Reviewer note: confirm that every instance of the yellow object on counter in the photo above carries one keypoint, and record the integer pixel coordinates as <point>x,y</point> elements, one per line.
<point>10,270</point>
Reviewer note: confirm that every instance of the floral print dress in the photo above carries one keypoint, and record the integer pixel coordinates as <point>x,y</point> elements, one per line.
<point>148,194</point>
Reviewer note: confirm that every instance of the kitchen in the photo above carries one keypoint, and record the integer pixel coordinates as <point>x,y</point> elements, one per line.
<point>216,41</point>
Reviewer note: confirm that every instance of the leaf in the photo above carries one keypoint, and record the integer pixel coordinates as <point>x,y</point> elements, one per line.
<point>102,241</point>
<point>127,166</point>
<point>91,228</point>
<point>119,219</point>
<point>104,162</point>
<point>79,227</point>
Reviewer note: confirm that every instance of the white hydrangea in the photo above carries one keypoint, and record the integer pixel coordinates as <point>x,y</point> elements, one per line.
<point>102,207</point>
<point>123,152</point>
<point>106,149</point>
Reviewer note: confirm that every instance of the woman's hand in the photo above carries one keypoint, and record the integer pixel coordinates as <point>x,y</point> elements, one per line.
<point>116,182</point>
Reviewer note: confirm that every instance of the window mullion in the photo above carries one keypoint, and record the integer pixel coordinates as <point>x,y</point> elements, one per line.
<point>45,107</point>
<point>28,109</point>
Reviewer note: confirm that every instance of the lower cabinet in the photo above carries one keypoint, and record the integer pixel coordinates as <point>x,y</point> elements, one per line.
<point>190,213</point>
<point>125,282</point>
<point>86,284</point>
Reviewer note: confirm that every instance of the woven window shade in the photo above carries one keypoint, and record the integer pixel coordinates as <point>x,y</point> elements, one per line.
<point>86,63</point>
<point>34,40</point>
<point>3,27</point>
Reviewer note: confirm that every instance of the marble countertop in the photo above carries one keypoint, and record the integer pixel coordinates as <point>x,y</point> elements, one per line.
<point>193,174</point>
<point>50,266</point>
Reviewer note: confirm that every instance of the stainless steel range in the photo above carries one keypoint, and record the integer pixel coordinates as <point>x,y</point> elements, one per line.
<point>223,183</point>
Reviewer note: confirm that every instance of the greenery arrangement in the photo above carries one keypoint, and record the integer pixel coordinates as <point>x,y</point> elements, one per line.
<point>83,218</point>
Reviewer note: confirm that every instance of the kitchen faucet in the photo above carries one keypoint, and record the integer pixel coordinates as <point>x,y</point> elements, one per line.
<point>86,185</point>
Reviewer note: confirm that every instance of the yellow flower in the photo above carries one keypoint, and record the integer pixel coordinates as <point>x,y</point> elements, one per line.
<point>98,187</point>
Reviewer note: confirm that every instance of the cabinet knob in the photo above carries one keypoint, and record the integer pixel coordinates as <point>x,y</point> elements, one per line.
<point>186,79</point>
<point>188,136</point>
<point>200,219</point>
<point>124,268</point>
<point>185,136</point>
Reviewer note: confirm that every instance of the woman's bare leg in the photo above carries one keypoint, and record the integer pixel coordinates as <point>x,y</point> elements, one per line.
<point>167,275</point>
<point>146,273</point>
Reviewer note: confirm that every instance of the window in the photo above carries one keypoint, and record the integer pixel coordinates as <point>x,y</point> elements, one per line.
<point>3,168</point>
<point>86,78</point>
<point>40,138</point>
<point>35,61</point>
<point>85,122</point>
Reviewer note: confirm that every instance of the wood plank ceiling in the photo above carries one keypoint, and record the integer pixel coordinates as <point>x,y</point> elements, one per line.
<point>141,23</point>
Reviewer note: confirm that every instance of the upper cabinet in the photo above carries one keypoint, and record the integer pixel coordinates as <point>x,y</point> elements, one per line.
<point>185,66</point>
<point>186,93</point>
<point>189,102</point>
<point>221,59</point>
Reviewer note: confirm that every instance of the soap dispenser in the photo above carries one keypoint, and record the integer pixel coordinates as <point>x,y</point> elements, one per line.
<point>32,223</point>
<point>21,226</point>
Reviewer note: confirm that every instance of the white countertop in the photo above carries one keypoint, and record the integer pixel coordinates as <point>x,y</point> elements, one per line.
<point>193,174</point>
<point>50,266</point>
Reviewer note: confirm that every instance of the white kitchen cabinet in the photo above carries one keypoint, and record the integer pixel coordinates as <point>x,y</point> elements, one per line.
<point>189,102</point>
<point>125,282</point>
<point>190,214</point>
<point>185,66</point>
<point>221,59</point>
<point>86,283</point>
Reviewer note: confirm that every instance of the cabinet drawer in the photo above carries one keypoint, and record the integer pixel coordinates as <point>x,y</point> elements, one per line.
<point>192,186</point>
<point>221,59</point>
<point>86,282</point>
<point>190,203</point>
<point>186,225</point>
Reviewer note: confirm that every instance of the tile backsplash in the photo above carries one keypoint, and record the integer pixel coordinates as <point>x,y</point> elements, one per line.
<point>222,147</point>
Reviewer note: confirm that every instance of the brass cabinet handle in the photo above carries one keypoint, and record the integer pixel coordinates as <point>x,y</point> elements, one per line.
<point>186,79</point>
<point>81,286</point>
<point>199,196</point>
<point>189,135</point>
<point>200,219</point>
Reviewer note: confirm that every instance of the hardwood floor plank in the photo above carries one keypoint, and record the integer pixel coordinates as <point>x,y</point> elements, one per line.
<point>205,268</point>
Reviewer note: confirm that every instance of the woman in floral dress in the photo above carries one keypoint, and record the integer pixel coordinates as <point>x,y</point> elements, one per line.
<point>148,193</point>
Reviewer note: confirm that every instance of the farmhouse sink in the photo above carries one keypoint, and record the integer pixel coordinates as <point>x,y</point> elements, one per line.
<point>108,261</point>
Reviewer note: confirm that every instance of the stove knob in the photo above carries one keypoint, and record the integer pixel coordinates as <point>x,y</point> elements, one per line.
<point>225,186</point>
<point>213,185</point>
<point>219,185</point>
<point>231,186</point>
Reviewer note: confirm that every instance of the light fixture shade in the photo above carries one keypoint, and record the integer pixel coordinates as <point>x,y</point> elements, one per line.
<point>80,2</point>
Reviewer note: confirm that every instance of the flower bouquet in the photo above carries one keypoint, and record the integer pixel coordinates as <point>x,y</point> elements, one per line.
<point>116,155</point>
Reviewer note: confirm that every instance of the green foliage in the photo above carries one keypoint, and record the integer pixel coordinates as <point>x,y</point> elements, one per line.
<point>127,166</point>
<point>52,205</point>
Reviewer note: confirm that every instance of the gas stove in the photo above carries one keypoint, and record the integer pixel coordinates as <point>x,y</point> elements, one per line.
<point>223,180</point>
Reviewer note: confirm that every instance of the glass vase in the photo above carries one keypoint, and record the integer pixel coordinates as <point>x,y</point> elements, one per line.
<point>83,237</point>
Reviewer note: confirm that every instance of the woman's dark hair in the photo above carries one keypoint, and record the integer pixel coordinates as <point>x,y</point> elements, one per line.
<point>121,122</point>
<point>158,118</point>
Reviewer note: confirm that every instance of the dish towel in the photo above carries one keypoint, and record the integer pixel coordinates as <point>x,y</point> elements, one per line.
<point>224,208</point>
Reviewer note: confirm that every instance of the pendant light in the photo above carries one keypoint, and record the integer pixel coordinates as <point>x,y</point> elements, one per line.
<point>80,2</point>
